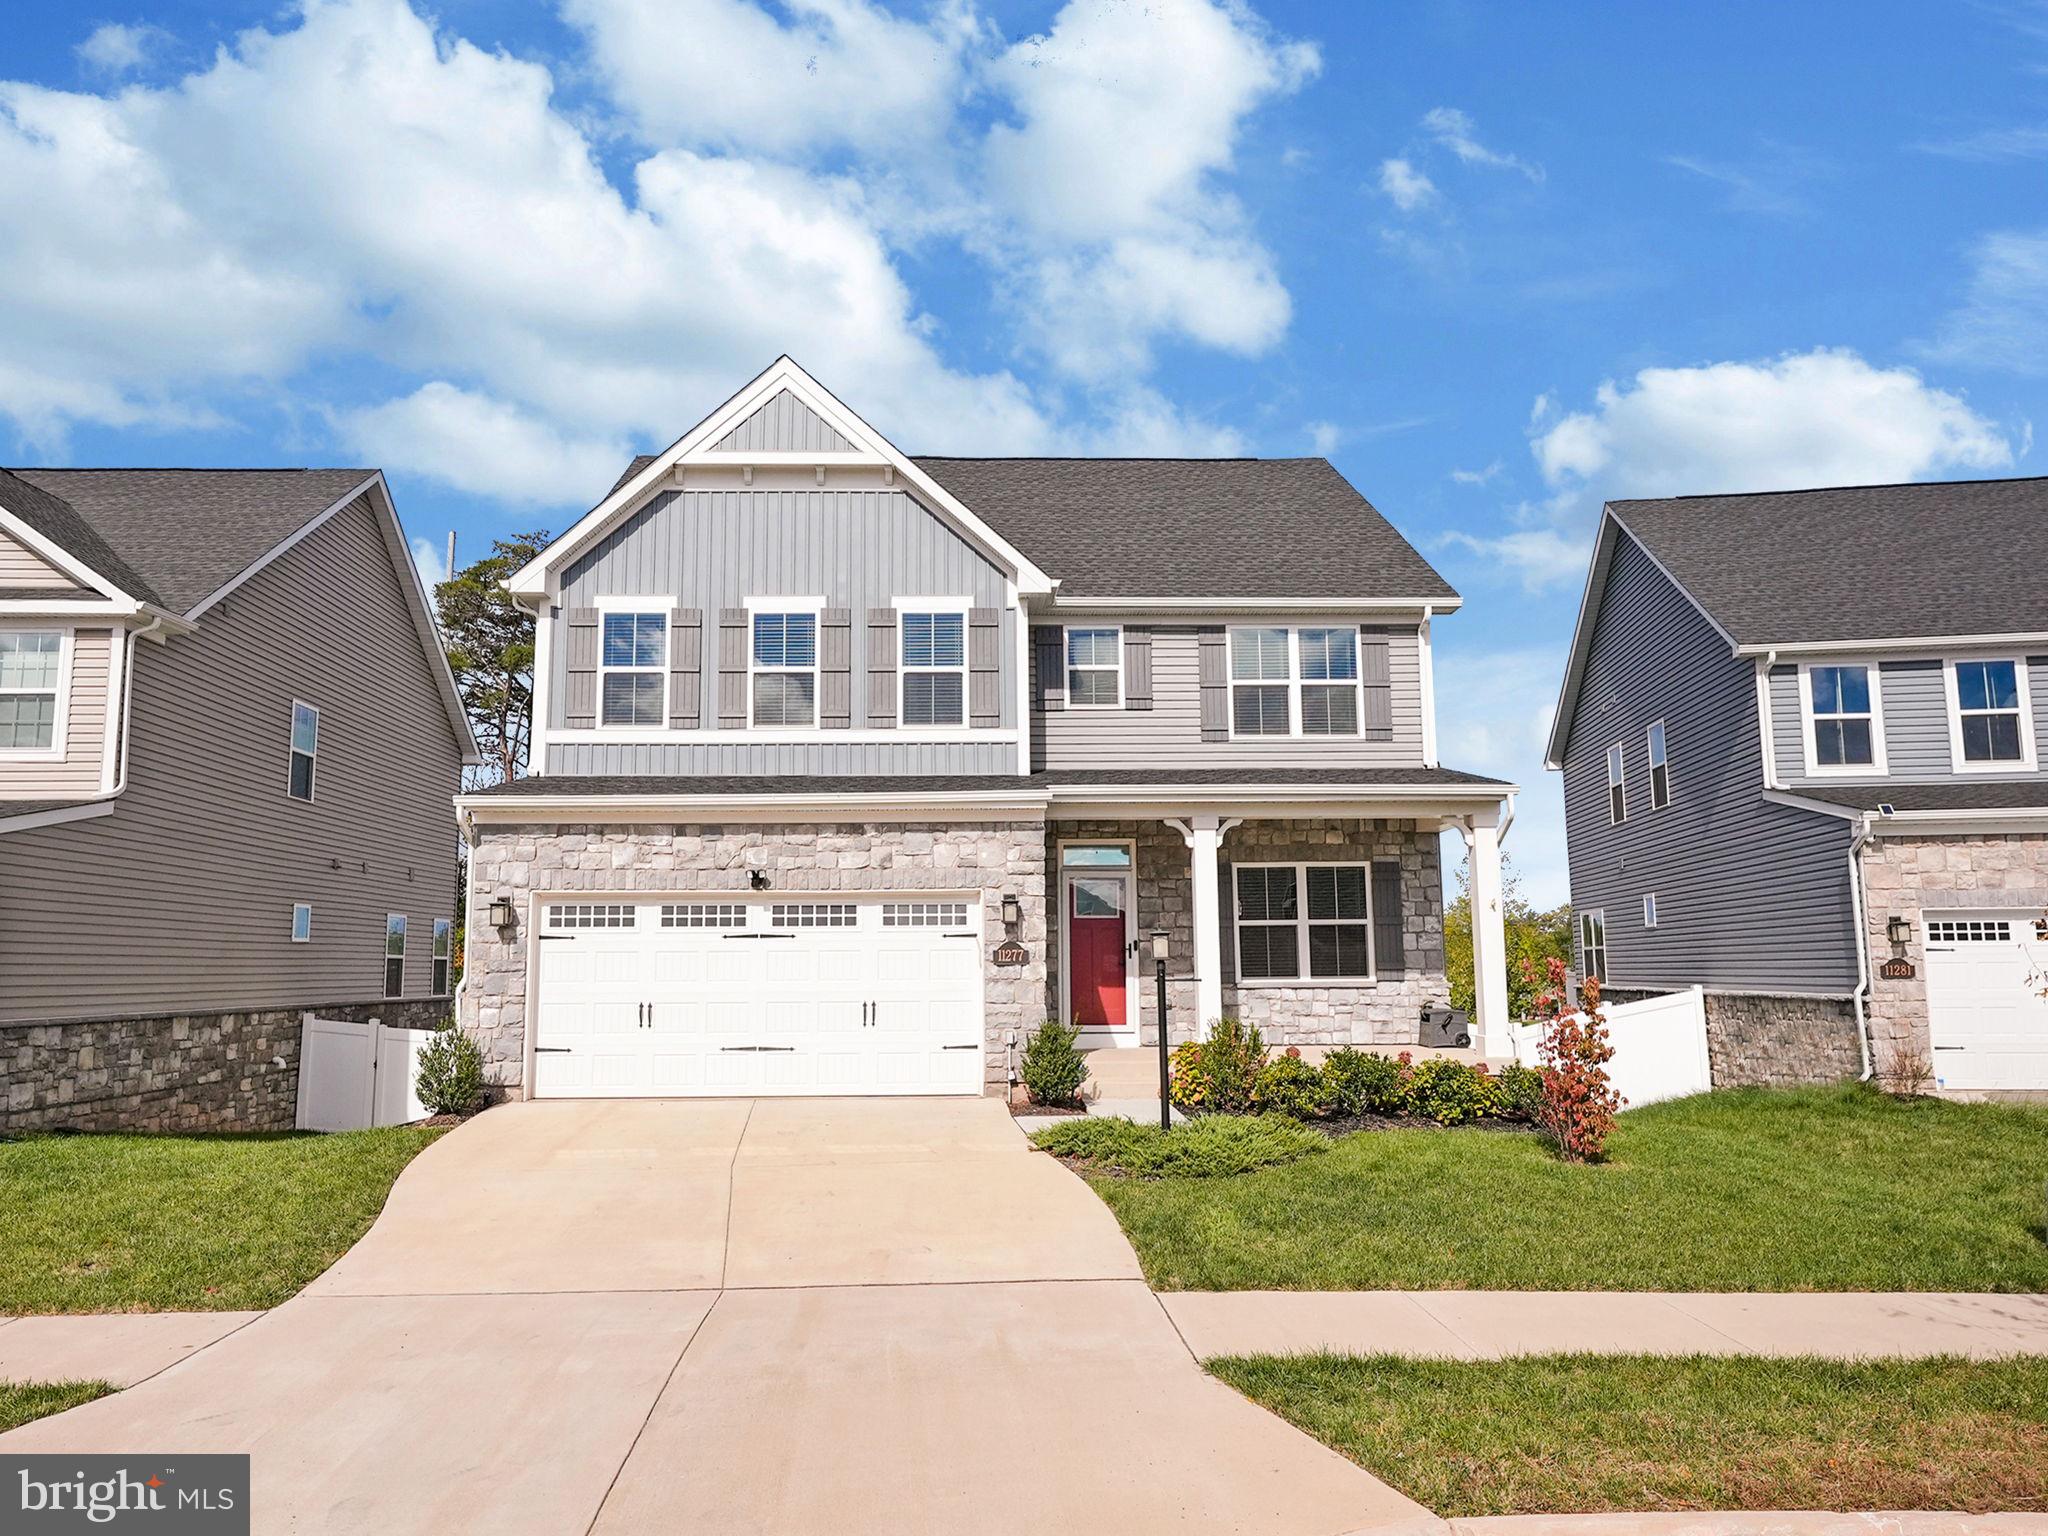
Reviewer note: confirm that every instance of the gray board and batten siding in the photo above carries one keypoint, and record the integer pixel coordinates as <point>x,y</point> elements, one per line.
<point>1913,696</point>
<point>783,424</point>
<point>1752,896</point>
<point>179,900</point>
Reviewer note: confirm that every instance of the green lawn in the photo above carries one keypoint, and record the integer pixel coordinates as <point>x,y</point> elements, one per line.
<point>21,1401</point>
<point>1583,1433</point>
<point>1765,1190</point>
<point>185,1223</point>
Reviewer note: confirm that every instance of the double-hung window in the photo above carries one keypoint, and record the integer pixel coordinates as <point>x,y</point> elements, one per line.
<point>1845,730</point>
<point>1617,788</point>
<point>1593,945</point>
<point>1660,769</point>
<point>1294,682</point>
<point>31,677</point>
<point>394,955</point>
<point>1095,668</point>
<point>305,750</point>
<point>934,666</point>
<point>785,668</point>
<point>1304,922</point>
<point>444,954</point>
<point>633,668</point>
<point>1989,725</point>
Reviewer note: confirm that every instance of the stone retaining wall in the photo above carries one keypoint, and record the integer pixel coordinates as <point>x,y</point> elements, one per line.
<point>1759,1040</point>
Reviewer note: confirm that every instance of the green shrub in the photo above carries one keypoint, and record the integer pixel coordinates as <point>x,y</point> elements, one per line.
<point>1223,1069</point>
<point>1449,1092</point>
<point>1289,1086</point>
<point>1519,1090</point>
<point>1365,1083</point>
<point>1208,1147</point>
<point>1053,1067</point>
<point>451,1073</point>
<point>1188,1082</point>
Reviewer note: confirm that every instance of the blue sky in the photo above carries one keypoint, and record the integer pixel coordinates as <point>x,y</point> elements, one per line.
<point>1497,261</point>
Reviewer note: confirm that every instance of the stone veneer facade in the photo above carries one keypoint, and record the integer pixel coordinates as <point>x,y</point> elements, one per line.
<point>1769,1040</point>
<point>235,1071</point>
<point>1386,1012</point>
<point>998,858</point>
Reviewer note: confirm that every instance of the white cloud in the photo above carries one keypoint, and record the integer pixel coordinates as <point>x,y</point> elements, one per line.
<point>1406,186</point>
<point>115,48</point>
<point>1766,189</point>
<point>485,446</point>
<point>1477,476</point>
<point>1456,131</point>
<point>1324,436</point>
<point>2003,320</point>
<point>1494,710</point>
<point>431,560</point>
<point>2026,142</point>
<point>1539,558</point>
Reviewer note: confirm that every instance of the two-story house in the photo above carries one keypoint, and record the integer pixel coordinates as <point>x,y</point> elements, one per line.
<point>851,767</point>
<point>1813,785</point>
<point>229,744</point>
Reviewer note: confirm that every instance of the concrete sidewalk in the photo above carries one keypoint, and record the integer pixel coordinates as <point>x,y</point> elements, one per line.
<point>1492,1325</point>
<point>120,1348</point>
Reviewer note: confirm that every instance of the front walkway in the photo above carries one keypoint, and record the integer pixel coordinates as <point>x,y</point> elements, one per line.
<point>790,1316</point>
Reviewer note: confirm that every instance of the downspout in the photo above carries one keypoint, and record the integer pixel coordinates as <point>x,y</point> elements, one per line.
<point>465,824</point>
<point>127,698</point>
<point>1859,998</point>
<point>1766,735</point>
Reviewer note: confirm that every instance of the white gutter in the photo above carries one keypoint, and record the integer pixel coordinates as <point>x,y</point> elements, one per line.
<point>1426,665</point>
<point>1897,643</point>
<point>1766,733</point>
<point>1217,604</point>
<point>1500,834</point>
<point>1861,995</point>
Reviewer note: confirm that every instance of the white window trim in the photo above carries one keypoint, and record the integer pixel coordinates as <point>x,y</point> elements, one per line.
<point>1650,765</point>
<point>441,952</point>
<point>60,729</point>
<point>937,605</point>
<point>1617,752</point>
<point>1877,767</point>
<point>2027,762</point>
<point>1650,910</point>
<point>1587,946</point>
<point>1294,683</point>
<point>622,603</point>
<point>814,606</point>
<point>386,957</point>
<point>291,751</point>
<point>1117,667</point>
<point>307,908</point>
<point>1302,925</point>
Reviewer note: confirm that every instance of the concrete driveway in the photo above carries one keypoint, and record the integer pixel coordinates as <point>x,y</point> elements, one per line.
<point>786,1315</point>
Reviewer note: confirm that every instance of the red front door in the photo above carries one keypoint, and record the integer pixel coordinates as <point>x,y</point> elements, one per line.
<point>1095,951</point>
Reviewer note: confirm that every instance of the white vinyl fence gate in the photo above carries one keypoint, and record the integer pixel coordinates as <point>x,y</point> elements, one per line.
<point>354,1075</point>
<point>1660,1047</point>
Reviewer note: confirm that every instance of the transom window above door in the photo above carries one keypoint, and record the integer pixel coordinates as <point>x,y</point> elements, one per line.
<point>1845,732</point>
<point>785,668</point>
<point>1294,682</point>
<point>1095,668</point>
<point>1990,724</point>
<point>31,672</point>
<point>633,668</point>
<point>934,667</point>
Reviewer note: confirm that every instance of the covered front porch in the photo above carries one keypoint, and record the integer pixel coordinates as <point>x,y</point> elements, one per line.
<point>1320,922</point>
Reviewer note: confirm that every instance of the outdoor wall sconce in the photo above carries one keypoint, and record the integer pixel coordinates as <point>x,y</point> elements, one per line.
<point>1898,930</point>
<point>758,879</point>
<point>502,916</point>
<point>1013,912</point>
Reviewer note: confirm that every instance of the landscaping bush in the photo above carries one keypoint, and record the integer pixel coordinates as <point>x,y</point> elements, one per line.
<point>1209,1147</point>
<point>1518,1090</point>
<point>1052,1066</point>
<point>1366,1083</point>
<point>1222,1070</point>
<point>1579,1101</point>
<point>1289,1086</point>
<point>451,1073</point>
<point>1449,1092</point>
<point>1187,1080</point>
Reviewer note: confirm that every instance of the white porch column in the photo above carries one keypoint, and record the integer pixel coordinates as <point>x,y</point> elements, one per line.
<point>1204,836</point>
<point>1489,937</point>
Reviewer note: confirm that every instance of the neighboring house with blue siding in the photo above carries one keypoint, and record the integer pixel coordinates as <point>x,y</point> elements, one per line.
<point>1814,786</point>
<point>851,767</point>
<point>229,747</point>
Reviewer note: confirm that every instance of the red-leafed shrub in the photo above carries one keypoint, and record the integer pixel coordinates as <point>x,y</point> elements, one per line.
<point>1579,1103</point>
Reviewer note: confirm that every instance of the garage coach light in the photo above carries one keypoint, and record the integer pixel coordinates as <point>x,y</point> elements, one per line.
<point>1899,931</point>
<point>503,916</point>
<point>1013,912</point>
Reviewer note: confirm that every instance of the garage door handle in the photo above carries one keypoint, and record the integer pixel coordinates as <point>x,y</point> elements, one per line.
<point>757,1047</point>
<point>551,1050</point>
<point>1951,1047</point>
<point>959,1047</point>
<point>968,935</point>
<point>757,936</point>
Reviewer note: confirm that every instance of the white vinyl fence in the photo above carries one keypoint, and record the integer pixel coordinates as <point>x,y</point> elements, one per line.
<point>1660,1047</point>
<point>353,1075</point>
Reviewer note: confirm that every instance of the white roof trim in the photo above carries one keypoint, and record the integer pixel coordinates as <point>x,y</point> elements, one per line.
<point>1792,650</point>
<point>85,811</point>
<point>539,575</point>
<point>55,554</point>
<point>1416,605</point>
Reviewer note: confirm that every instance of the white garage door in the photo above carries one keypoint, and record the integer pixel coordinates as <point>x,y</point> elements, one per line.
<point>1985,1013</point>
<point>679,998</point>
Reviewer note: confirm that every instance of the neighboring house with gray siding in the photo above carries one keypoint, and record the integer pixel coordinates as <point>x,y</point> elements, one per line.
<point>1814,787</point>
<point>229,745</point>
<point>851,767</point>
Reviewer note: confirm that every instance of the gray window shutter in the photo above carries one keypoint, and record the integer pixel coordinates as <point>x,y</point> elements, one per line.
<point>882,667</point>
<point>835,669</point>
<point>1214,651</point>
<point>1376,698</point>
<point>1137,669</point>
<point>732,669</point>
<point>1226,913</point>
<point>1389,944</point>
<point>984,668</point>
<point>685,668</point>
<point>579,699</point>
<point>1049,663</point>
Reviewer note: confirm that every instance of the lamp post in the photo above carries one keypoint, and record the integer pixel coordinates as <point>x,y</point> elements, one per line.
<point>1165,1069</point>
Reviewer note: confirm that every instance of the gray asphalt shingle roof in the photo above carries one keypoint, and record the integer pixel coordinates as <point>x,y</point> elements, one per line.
<point>173,537</point>
<point>912,784</point>
<point>1873,562</point>
<point>2020,795</point>
<point>1187,527</point>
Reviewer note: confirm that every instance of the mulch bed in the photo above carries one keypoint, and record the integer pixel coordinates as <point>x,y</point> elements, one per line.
<point>1048,1110</point>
